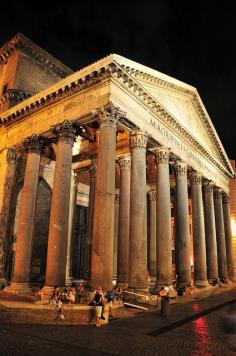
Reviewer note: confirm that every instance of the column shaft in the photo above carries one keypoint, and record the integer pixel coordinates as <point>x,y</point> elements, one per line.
<point>228,238</point>
<point>73,196</point>
<point>152,244</point>
<point>89,231</point>
<point>182,238</point>
<point>7,180</point>
<point>59,216</point>
<point>210,229</point>
<point>138,212</point>
<point>220,234</point>
<point>123,225</point>
<point>199,245</point>
<point>24,239</point>
<point>164,242</point>
<point>103,227</point>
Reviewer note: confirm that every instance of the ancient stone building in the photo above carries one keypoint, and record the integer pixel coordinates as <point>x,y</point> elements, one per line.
<point>107,173</point>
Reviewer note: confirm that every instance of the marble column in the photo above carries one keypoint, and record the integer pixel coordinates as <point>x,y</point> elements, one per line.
<point>152,242</point>
<point>138,212</point>
<point>103,226</point>
<point>59,215</point>
<point>199,245</point>
<point>115,241</point>
<point>163,220</point>
<point>73,196</point>
<point>7,180</point>
<point>89,231</point>
<point>210,230</point>
<point>220,234</point>
<point>123,225</point>
<point>24,239</point>
<point>228,237</point>
<point>182,235</point>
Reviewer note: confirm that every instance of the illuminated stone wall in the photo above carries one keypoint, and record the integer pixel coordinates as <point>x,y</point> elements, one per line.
<point>233,209</point>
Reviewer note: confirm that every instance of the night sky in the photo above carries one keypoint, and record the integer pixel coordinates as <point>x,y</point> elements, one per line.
<point>195,44</point>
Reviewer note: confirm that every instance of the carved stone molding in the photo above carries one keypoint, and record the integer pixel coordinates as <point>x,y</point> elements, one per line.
<point>152,194</point>
<point>138,138</point>
<point>65,132</point>
<point>208,186</point>
<point>218,193</point>
<point>34,143</point>
<point>180,168</point>
<point>225,198</point>
<point>196,178</point>
<point>162,154</point>
<point>125,163</point>
<point>93,169</point>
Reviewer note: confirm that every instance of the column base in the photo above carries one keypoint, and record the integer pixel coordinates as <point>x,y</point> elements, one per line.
<point>3,283</point>
<point>201,284</point>
<point>212,280</point>
<point>18,288</point>
<point>68,281</point>
<point>158,286</point>
<point>123,285</point>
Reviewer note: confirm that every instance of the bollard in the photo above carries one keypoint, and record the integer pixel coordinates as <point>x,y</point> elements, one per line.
<point>165,306</point>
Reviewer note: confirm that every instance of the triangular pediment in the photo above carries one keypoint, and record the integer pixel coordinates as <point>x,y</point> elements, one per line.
<point>181,101</point>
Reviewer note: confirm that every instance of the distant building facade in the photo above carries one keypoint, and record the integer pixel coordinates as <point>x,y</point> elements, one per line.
<point>110,173</point>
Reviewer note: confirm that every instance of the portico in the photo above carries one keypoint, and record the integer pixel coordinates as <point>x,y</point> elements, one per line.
<point>109,118</point>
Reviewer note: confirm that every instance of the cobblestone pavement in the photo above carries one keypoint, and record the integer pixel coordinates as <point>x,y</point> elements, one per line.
<point>133,333</point>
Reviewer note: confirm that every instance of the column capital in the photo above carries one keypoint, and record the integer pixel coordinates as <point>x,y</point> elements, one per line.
<point>208,186</point>
<point>218,193</point>
<point>125,163</point>
<point>225,198</point>
<point>33,143</point>
<point>138,138</point>
<point>93,169</point>
<point>109,115</point>
<point>162,154</point>
<point>65,132</point>
<point>180,168</point>
<point>152,194</point>
<point>196,178</point>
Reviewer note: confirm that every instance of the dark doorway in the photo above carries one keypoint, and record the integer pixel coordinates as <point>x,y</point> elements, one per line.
<point>78,245</point>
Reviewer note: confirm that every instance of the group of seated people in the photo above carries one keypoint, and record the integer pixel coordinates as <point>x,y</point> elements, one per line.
<point>75,294</point>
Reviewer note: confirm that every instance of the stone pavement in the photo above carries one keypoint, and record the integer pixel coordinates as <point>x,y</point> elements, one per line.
<point>132,332</point>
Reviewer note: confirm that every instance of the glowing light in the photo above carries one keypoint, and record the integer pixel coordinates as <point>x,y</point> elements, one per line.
<point>233,226</point>
<point>203,339</point>
<point>191,261</point>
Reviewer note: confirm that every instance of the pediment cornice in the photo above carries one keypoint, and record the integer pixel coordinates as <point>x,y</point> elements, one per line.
<point>108,68</point>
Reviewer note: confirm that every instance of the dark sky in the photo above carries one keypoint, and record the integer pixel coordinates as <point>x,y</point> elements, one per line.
<point>191,41</point>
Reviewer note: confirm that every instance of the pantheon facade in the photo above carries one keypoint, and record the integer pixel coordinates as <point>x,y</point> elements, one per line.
<point>110,174</point>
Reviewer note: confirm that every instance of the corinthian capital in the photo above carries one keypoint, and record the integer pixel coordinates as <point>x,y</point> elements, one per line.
<point>162,154</point>
<point>34,143</point>
<point>109,115</point>
<point>196,178</point>
<point>225,198</point>
<point>180,168</point>
<point>65,132</point>
<point>208,186</point>
<point>138,138</point>
<point>218,193</point>
<point>152,194</point>
<point>125,163</point>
